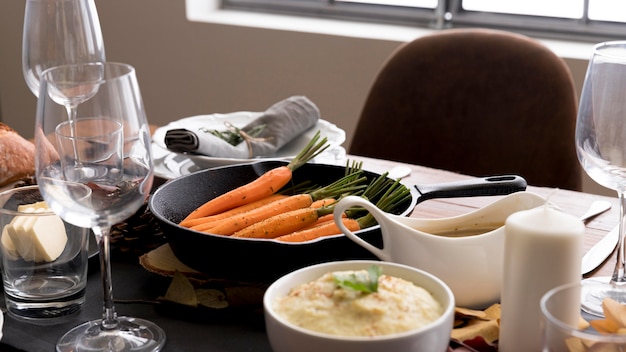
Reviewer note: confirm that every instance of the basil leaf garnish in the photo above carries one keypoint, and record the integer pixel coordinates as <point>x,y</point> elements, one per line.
<point>365,283</point>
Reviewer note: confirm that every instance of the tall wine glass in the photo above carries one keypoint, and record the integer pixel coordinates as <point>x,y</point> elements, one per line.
<point>59,32</point>
<point>104,152</point>
<point>601,148</point>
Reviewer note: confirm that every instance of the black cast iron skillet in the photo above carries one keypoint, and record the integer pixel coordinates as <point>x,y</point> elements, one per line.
<point>266,260</point>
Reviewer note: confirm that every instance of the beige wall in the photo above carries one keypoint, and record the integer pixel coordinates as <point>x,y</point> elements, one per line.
<point>188,68</point>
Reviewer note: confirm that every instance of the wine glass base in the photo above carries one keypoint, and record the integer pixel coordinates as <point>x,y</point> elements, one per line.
<point>595,289</point>
<point>133,334</point>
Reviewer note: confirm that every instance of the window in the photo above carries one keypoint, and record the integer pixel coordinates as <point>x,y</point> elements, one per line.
<point>587,20</point>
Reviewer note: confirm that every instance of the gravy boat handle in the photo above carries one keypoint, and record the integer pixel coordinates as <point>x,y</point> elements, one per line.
<point>482,186</point>
<point>380,216</point>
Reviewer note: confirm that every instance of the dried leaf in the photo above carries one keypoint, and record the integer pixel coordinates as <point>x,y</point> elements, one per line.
<point>458,323</point>
<point>487,329</point>
<point>476,344</point>
<point>474,324</point>
<point>466,313</point>
<point>181,291</point>
<point>211,298</point>
<point>494,311</point>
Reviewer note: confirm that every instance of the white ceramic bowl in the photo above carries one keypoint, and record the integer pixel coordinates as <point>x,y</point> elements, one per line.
<point>286,337</point>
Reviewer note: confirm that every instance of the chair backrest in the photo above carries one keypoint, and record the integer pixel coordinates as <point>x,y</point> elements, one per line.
<point>478,102</point>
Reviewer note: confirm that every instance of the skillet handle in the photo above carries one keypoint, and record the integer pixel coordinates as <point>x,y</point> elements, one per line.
<point>485,186</point>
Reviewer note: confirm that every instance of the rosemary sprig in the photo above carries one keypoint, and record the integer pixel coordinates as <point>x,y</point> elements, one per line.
<point>234,136</point>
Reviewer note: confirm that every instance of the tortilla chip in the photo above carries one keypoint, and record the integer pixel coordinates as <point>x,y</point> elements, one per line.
<point>605,347</point>
<point>574,344</point>
<point>614,311</point>
<point>582,323</point>
<point>605,326</point>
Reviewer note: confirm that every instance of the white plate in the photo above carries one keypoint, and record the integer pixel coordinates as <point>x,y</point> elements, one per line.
<point>170,164</point>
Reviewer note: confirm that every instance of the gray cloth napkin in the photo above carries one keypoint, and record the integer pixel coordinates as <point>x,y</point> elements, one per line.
<point>283,122</point>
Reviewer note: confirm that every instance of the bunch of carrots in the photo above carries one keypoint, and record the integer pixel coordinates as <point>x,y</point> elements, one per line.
<point>264,208</point>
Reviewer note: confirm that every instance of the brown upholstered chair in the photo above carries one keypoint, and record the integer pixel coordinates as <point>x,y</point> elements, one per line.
<point>475,101</point>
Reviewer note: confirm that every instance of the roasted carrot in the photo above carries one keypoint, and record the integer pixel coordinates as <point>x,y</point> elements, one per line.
<point>263,186</point>
<point>282,224</point>
<point>323,202</point>
<point>198,221</point>
<point>348,184</point>
<point>207,226</point>
<point>323,219</point>
<point>238,210</point>
<point>326,229</point>
<point>237,222</point>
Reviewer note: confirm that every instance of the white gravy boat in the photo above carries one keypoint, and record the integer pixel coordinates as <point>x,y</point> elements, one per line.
<point>465,251</point>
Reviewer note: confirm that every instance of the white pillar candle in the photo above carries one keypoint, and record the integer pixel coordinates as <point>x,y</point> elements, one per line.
<point>542,250</point>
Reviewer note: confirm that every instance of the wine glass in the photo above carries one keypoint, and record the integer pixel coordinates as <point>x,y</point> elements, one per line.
<point>601,148</point>
<point>103,152</point>
<point>59,32</point>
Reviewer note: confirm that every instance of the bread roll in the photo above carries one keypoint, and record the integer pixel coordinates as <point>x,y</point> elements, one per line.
<point>17,156</point>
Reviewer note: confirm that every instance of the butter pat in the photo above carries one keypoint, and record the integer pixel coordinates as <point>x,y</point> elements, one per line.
<point>39,238</point>
<point>48,236</point>
<point>7,243</point>
<point>31,208</point>
<point>18,232</point>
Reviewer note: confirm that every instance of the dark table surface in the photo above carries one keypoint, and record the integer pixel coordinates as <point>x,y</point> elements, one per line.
<point>194,329</point>
<point>135,291</point>
<point>187,329</point>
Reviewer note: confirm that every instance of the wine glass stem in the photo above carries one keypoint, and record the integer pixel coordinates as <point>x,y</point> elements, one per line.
<point>71,117</point>
<point>109,316</point>
<point>620,266</point>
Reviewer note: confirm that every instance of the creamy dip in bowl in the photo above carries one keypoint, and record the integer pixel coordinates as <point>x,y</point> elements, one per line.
<point>324,306</point>
<point>307,310</point>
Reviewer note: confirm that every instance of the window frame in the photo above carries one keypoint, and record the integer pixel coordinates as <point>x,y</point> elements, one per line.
<point>447,14</point>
